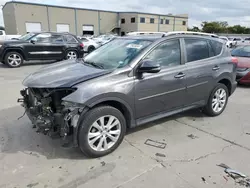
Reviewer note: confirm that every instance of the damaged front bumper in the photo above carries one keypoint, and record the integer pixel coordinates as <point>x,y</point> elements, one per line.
<point>59,121</point>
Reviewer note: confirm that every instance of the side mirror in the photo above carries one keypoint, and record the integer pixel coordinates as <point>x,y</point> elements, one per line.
<point>149,66</point>
<point>32,41</point>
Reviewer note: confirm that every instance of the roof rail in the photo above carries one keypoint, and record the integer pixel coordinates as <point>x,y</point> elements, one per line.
<point>189,33</point>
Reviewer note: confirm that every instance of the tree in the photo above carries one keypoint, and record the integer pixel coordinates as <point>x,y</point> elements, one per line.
<point>195,28</point>
<point>223,27</point>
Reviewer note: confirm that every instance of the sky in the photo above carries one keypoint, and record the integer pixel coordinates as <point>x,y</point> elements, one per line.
<point>234,12</point>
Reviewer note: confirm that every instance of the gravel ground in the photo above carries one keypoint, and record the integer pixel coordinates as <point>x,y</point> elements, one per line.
<point>195,144</point>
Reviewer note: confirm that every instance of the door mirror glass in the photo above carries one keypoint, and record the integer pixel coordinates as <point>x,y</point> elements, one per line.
<point>149,66</point>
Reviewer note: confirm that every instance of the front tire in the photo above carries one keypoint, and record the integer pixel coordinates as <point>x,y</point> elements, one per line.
<point>217,101</point>
<point>101,131</point>
<point>13,59</point>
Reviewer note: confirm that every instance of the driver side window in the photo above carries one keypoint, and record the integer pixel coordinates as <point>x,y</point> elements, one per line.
<point>166,54</point>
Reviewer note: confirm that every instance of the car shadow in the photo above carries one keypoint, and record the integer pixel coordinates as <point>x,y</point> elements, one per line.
<point>193,115</point>
<point>17,135</point>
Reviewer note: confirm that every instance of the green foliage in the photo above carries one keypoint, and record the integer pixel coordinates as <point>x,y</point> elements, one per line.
<point>223,27</point>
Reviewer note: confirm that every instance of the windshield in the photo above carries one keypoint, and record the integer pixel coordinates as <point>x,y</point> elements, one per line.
<point>116,54</point>
<point>241,51</point>
<point>27,36</point>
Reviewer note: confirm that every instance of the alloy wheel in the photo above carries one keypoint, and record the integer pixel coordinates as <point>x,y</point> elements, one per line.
<point>104,133</point>
<point>71,55</point>
<point>14,60</point>
<point>219,100</point>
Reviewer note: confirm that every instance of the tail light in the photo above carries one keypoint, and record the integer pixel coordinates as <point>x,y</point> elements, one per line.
<point>234,60</point>
<point>82,45</point>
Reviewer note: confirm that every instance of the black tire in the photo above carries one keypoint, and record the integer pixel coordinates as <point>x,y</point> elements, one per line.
<point>208,108</point>
<point>91,49</point>
<point>13,54</point>
<point>86,122</point>
<point>71,51</point>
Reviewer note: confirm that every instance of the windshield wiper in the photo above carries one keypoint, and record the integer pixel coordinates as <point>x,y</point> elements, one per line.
<point>94,64</point>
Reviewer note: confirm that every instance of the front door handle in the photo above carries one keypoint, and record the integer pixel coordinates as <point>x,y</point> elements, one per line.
<point>180,75</point>
<point>216,68</point>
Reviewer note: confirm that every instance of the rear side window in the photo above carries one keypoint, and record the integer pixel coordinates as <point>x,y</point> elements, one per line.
<point>197,49</point>
<point>70,39</point>
<point>216,48</point>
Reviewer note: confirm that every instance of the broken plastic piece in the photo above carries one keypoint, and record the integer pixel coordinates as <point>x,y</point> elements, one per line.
<point>156,144</point>
<point>234,172</point>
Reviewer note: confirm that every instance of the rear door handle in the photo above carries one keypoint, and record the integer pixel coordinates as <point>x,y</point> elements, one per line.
<point>180,75</point>
<point>216,68</point>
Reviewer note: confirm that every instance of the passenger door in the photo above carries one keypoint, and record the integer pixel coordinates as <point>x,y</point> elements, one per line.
<point>165,90</point>
<point>55,47</point>
<point>202,64</point>
<point>35,48</point>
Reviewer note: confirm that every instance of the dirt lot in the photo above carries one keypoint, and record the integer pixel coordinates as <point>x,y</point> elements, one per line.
<point>195,144</point>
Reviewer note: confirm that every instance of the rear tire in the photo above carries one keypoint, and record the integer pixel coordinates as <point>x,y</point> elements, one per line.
<point>101,131</point>
<point>13,59</point>
<point>217,101</point>
<point>71,54</point>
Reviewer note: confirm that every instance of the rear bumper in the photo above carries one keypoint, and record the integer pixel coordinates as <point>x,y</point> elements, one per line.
<point>243,77</point>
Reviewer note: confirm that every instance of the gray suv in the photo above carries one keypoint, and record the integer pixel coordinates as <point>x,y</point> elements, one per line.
<point>91,102</point>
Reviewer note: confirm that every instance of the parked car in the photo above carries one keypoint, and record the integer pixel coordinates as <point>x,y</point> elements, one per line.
<point>247,40</point>
<point>4,36</point>
<point>228,42</point>
<point>40,46</point>
<point>89,44</point>
<point>236,40</point>
<point>130,81</point>
<point>103,39</point>
<point>242,53</point>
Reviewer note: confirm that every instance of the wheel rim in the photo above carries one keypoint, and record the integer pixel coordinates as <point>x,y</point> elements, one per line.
<point>14,60</point>
<point>71,55</point>
<point>104,133</point>
<point>219,100</point>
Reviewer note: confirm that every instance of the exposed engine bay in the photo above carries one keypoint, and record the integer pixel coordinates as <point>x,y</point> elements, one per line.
<point>50,114</point>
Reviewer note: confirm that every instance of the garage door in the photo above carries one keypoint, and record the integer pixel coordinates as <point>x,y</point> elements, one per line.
<point>87,29</point>
<point>62,27</point>
<point>33,27</point>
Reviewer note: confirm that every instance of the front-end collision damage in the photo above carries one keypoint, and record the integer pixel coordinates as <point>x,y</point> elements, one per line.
<point>50,114</point>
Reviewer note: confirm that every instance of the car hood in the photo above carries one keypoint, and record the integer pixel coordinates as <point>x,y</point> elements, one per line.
<point>243,62</point>
<point>64,74</point>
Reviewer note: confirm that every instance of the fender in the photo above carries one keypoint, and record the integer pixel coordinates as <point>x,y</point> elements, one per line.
<point>15,48</point>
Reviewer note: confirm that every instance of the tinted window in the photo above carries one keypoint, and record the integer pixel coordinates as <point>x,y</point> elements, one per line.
<point>56,38</point>
<point>197,49</point>
<point>216,47</point>
<point>132,20</point>
<point>166,54</point>
<point>161,21</point>
<point>142,20</point>
<point>152,20</point>
<point>123,20</point>
<point>70,39</point>
<point>237,39</point>
<point>166,21</point>
<point>43,37</point>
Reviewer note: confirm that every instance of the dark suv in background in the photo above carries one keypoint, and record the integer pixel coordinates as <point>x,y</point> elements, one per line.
<point>128,82</point>
<point>40,46</point>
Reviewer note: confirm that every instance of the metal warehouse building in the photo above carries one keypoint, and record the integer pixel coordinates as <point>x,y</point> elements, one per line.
<point>22,17</point>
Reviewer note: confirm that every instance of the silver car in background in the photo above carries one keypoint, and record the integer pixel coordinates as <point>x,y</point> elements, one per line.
<point>89,44</point>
